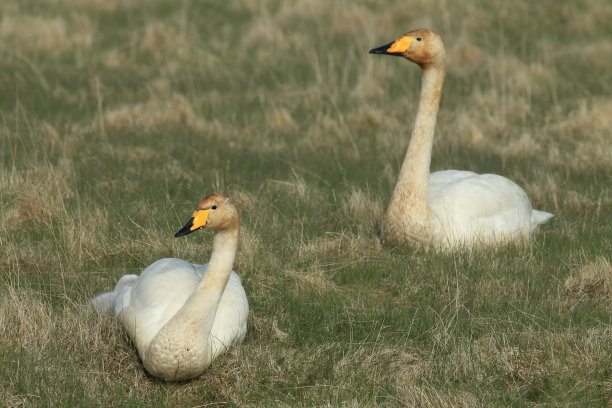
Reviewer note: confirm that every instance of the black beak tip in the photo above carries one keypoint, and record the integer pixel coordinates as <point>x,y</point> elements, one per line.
<point>185,230</point>
<point>180,233</point>
<point>382,49</point>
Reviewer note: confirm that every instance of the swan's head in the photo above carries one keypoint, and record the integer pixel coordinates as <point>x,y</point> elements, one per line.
<point>215,212</point>
<point>423,47</point>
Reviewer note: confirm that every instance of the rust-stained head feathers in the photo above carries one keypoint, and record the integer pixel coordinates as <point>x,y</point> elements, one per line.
<point>423,47</point>
<point>215,212</point>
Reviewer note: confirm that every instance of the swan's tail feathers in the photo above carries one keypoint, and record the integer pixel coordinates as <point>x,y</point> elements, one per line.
<point>103,303</point>
<point>127,279</point>
<point>540,217</point>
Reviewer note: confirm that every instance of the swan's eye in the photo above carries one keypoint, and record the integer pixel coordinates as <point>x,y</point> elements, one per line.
<point>214,207</point>
<point>418,38</point>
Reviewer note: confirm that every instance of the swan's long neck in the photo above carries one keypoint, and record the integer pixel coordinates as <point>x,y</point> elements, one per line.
<point>194,321</point>
<point>409,206</point>
<point>207,295</point>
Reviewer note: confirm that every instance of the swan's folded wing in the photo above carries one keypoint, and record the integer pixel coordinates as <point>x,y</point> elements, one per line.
<point>486,206</point>
<point>231,319</point>
<point>144,306</point>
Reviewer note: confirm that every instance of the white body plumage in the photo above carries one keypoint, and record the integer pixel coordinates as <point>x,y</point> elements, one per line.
<point>470,209</point>
<point>448,209</point>
<point>179,315</point>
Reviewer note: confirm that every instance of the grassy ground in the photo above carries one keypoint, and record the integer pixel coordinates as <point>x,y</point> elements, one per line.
<point>117,117</point>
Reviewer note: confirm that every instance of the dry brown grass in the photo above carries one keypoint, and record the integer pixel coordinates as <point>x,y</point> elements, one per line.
<point>31,325</point>
<point>156,113</point>
<point>341,245</point>
<point>107,6</point>
<point>363,210</point>
<point>586,129</point>
<point>26,34</point>
<point>519,365</point>
<point>39,201</point>
<point>25,320</point>
<point>296,188</point>
<point>312,278</point>
<point>280,120</point>
<point>593,280</point>
<point>41,193</point>
<point>290,85</point>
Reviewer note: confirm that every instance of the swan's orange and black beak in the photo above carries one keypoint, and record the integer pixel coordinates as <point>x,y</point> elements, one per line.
<point>198,220</point>
<point>397,47</point>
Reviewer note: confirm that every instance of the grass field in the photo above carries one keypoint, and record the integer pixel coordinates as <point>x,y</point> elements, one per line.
<point>118,116</point>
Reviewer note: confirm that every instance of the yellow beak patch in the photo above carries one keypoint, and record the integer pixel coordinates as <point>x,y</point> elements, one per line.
<point>199,219</point>
<point>401,44</point>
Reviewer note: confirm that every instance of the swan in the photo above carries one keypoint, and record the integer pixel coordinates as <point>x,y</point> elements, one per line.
<point>182,316</point>
<point>451,208</point>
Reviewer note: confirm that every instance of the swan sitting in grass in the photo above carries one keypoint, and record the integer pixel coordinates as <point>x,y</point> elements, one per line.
<point>182,316</point>
<point>452,208</point>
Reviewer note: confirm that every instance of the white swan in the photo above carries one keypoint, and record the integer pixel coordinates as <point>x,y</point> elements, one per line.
<point>182,316</point>
<point>452,208</point>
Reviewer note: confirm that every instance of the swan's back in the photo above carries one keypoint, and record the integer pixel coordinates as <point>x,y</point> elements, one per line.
<point>472,209</point>
<point>146,304</point>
